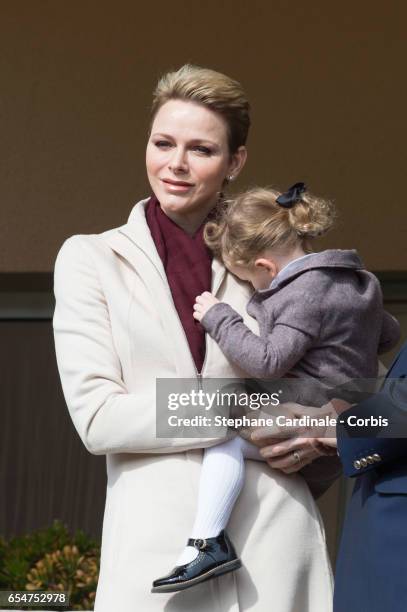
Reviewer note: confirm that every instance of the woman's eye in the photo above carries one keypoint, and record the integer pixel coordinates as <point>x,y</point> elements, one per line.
<point>202,149</point>
<point>162,144</point>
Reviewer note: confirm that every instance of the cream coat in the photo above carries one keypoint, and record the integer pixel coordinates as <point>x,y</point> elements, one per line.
<point>116,331</point>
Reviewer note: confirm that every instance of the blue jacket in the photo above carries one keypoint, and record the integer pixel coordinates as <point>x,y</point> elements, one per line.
<point>371,570</point>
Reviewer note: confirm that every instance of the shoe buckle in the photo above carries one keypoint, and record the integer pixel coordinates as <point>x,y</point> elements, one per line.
<point>200,544</point>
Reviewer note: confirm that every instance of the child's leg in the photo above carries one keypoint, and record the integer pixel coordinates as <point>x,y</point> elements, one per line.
<point>222,477</point>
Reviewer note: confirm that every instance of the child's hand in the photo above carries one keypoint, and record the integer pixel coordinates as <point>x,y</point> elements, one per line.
<point>202,304</point>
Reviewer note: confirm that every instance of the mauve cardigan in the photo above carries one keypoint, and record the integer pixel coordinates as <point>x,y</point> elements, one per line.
<point>323,318</point>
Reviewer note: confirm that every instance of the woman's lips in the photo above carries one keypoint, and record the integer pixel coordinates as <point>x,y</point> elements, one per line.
<point>178,186</point>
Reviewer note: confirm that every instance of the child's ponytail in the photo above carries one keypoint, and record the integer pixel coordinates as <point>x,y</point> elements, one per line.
<point>260,219</point>
<point>311,216</point>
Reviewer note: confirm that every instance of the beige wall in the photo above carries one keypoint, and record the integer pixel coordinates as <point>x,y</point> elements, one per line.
<point>326,81</point>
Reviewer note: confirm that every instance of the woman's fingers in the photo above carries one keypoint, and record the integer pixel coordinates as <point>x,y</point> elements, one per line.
<point>297,466</point>
<point>267,434</point>
<point>286,431</point>
<point>289,452</point>
<point>266,441</point>
<point>290,456</point>
<point>283,447</point>
<point>329,445</point>
<point>293,461</point>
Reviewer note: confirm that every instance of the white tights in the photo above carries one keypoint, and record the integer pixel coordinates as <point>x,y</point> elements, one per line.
<point>221,481</point>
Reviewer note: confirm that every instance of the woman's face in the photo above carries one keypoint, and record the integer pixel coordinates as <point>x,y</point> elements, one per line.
<point>188,160</point>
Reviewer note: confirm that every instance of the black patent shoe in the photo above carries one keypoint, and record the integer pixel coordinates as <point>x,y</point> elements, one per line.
<point>216,556</point>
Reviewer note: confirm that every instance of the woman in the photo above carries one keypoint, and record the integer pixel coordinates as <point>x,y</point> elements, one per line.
<point>123,319</point>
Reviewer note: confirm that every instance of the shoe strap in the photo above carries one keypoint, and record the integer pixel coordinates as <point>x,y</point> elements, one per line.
<point>199,543</point>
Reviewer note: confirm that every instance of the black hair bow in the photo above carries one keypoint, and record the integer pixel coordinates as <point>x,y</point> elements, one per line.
<point>292,196</point>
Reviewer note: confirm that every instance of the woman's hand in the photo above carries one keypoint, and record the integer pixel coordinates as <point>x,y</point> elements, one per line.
<point>203,303</point>
<point>290,451</point>
<point>288,454</point>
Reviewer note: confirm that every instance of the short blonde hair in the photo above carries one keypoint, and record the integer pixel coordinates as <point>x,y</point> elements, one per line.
<point>212,89</point>
<point>253,222</point>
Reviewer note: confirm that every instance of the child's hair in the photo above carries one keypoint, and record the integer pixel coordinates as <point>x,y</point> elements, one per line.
<point>253,222</point>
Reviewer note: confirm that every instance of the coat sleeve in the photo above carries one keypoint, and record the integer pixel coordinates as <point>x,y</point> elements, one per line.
<point>106,416</point>
<point>265,357</point>
<point>360,433</point>
<point>390,334</point>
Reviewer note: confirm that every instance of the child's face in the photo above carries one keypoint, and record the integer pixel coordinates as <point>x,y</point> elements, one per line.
<point>259,275</point>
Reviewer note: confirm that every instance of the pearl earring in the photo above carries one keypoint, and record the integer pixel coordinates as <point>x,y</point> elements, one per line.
<point>230,178</point>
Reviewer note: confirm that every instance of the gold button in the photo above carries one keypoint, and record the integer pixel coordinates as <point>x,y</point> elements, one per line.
<point>370,459</point>
<point>363,462</point>
<point>376,457</point>
<point>356,464</point>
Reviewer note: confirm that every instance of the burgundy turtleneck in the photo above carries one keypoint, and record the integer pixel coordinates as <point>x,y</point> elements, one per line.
<point>187,264</point>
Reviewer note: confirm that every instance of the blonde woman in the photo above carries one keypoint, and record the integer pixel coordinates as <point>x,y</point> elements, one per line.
<point>123,318</point>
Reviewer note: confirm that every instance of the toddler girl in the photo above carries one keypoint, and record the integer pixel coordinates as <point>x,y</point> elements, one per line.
<point>320,316</point>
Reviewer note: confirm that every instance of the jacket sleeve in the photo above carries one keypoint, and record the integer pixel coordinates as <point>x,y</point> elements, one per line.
<point>272,356</point>
<point>390,334</point>
<point>364,443</point>
<point>106,416</point>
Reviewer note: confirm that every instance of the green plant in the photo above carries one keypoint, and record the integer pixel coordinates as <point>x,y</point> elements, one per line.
<point>52,559</point>
<point>67,570</point>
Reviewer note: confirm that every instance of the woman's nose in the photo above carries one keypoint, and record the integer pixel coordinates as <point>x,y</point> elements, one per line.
<point>178,161</point>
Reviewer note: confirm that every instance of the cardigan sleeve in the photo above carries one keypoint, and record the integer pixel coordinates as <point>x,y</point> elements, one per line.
<point>106,416</point>
<point>271,356</point>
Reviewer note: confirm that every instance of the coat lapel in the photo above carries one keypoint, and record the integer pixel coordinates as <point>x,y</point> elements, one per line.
<point>133,242</point>
<point>135,237</point>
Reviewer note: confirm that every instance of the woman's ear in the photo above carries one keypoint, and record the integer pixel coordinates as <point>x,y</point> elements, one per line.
<point>238,160</point>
